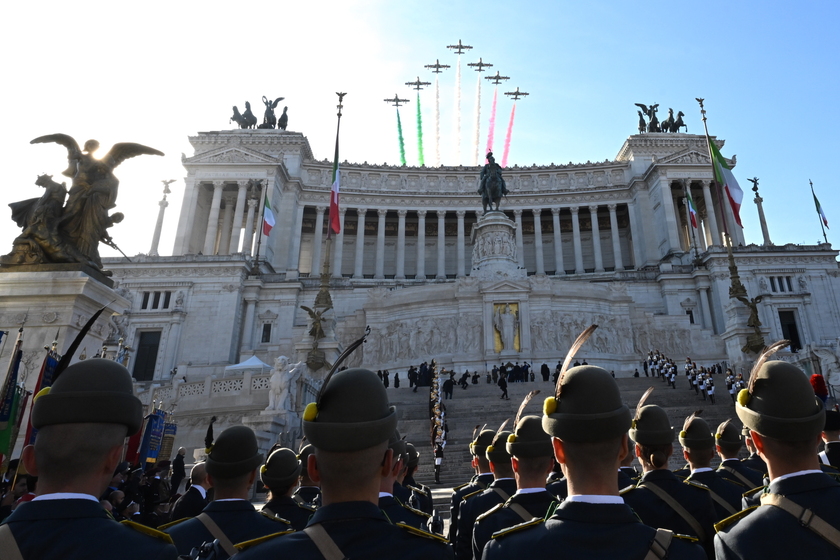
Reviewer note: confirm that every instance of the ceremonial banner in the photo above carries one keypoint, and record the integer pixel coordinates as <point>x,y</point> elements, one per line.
<point>152,437</point>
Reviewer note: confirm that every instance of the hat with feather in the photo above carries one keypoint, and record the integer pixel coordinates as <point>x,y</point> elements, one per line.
<point>651,425</point>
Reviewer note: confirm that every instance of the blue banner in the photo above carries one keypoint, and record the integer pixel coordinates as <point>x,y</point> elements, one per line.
<point>150,446</point>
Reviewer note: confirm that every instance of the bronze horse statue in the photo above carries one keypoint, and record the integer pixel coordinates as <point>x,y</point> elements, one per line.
<point>492,187</point>
<point>678,124</point>
<point>246,119</point>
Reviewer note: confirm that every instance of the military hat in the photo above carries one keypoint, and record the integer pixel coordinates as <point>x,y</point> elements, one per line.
<point>281,469</point>
<point>832,421</point>
<point>351,414</point>
<point>478,447</point>
<point>651,425</point>
<point>780,403</point>
<point>234,453</point>
<point>93,391</point>
<point>303,456</point>
<point>727,434</point>
<point>529,439</point>
<point>696,434</point>
<point>397,444</point>
<point>413,456</point>
<point>497,451</point>
<point>587,407</point>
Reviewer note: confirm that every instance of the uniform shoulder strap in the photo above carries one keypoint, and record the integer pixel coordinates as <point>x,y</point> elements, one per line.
<point>504,495</point>
<point>8,544</point>
<point>677,507</point>
<point>736,474</point>
<point>722,503</point>
<point>520,511</point>
<point>659,545</point>
<point>805,517</point>
<point>217,533</point>
<point>326,545</point>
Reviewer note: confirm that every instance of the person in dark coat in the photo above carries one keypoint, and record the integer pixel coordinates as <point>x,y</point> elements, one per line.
<point>194,500</point>
<point>545,371</point>
<point>728,445</point>
<point>481,480</point>
<point>91,407</point>
<point>503,386</point>
<point>421,495</point>
<point>178,471</point>
<point>831,439</point>
<point>396,380</point>
<point>309,492</point>
<point>280,475</point>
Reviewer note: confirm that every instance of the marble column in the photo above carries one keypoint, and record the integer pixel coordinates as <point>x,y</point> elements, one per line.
<point>520,246</point>
<point>380,244</point>
<point>538,240</point>
<point>158,227</point>
<point>294,255</point>
<point>317,241</point>
<point>400,275</point>
<point>460,214</point>
<point>576,239</point>
<point>704,305</point>
<point>441,245</point>
<point>761,219</point>
<point>248,324</point>
<point>559,267</point>
<point>618,262</point>
<point>711,214</point>
<point>421,245</point>
<point>213,220</point>
<point>248,242</point>
<point>596,239</point>
<point>671,224</point>
<point>186,221</point>
<point>227,224</point>
<point>360,243</point>
<point>338,254</point>
<point>636,234</point>
<point>236,232</point>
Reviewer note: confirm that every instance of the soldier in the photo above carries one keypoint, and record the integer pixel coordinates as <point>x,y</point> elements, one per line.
<point>232,463</point>
<point>532,458</point>
<point>798,516</point>
<point>831,437</point>
<point>481,480</point>
<point>480,501</point>
<point>728,445</point>
<point>660,499</point>
<point>753,462</point>
<point>394,508</point>
<point>349,427</point>
<point>280,474</point>
<point>308,493</point>
<point>588,423</point>
<point>421,495</point>
<point>698,449</point>
<point>82,422</point>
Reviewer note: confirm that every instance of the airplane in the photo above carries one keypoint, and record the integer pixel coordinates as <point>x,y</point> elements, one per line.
<point>497,79</point>
<point>437,66</point>
<point>396,100</point>
<point>459,48</point>
<point>418,85</point>
<point>480,65</point>
<point>516,94</point>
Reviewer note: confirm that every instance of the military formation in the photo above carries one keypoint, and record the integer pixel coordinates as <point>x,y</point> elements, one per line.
<point>556,484</point>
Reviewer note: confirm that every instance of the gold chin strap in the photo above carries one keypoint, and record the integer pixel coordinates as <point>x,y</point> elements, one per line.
<point>805,517</point>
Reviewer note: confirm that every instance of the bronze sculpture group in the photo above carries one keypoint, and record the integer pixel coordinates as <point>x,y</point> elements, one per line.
<point>492,186</point>
<point>270,120</point>
<point>653,125</point>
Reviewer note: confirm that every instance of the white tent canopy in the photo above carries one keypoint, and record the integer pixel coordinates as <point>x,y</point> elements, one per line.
<point>252,364</point>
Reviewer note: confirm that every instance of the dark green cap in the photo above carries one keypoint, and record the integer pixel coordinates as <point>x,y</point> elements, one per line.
<point>92,391</point>
<point>479,447</point>
<point>696,434</point>
<point>832,421</point>
<point>397,444</point>
<point>353,413</point>
<point>234,453</point>
<point>589,407</point>
<point>652,426</point>
<point>281,470</point>
<point>413,456</point>
<point>303,456</point>
<point>728,435</point>
<point>497,451</point>
<point>781,404</point>
<point>529,439</point>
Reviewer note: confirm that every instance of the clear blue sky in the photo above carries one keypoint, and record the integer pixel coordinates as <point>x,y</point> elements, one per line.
<point>159,71</point>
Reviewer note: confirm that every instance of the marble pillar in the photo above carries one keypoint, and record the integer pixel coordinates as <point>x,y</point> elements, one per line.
<point>538,240</point>
<point>158,227</point>
<point>400,275</point>
<point>461,248</point>
<point>618,262</point>
<point>317,241</point>
<point>294,254</point>
<point>236,231</point>
<point>559,267</point>
<point>360,243</point>
<point>576,239</point>
<point>213,220</point>
<point>338,254</point>
<point>671,220</point>
<point>380,244</point>
<point>421,245</point>
<point>227,224</point>
<point>520,246</point>
<point>711,213</point>
<point>248,242</point>
<point>441,245</point>
<point>596,239</point>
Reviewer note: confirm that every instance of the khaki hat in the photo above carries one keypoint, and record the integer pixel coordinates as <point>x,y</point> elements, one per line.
<point>497,451</point>
<point>352,413</point>
<point>529,439</point>
<point>92,391</point>
<point>478,447</point>
<point>651,425</point>
<point>728,435</point>
<point>234,453</point>
<point>413,456</point>
<point>587,407</point>
<point>696,434</point>
<point>281,470</point>
<point>780,403</point>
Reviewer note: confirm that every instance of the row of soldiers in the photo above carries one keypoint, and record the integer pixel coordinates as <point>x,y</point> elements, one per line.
<point>593,511</point>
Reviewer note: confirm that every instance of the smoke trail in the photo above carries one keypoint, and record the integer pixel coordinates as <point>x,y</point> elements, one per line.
<point>437,121</point>
<point>458,113</point>
<point>420,158</point>
<point>507,138</point>
<point>402,142</point>
<point>492,122</point>
<point>477,120</point>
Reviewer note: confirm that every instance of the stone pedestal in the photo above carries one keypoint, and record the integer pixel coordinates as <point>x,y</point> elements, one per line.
<point>494,255</point>
<point>272,427</point>
<point>326,355</point>
<point>737,335</point>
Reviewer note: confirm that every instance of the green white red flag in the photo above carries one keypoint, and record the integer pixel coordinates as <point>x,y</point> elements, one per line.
<point>724,176</point>
<point>268,218</point>
<point>692,210</point>
<point>819,209</point>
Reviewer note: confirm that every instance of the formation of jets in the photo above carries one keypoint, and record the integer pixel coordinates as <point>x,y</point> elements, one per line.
<point>497,79</point>
<point>459,48</point>
<point>437,67</point>
<point>417,84</point>
<point>516,94</point>
<point>396,101</point>
<point>479,66</point>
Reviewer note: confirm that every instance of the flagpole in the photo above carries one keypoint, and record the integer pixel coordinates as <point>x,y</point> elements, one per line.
<point>263,193</point>
<point>688,204</point>
<point>720,187</point>
<point>819,217</point>
<point>326,266</point>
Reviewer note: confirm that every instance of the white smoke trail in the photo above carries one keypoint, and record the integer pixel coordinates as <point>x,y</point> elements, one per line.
<point>437,121</point>
<point>458,113</point>
<point>476,148</point>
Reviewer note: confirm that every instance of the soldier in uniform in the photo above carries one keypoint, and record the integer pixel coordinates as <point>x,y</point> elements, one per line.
<point>831,437</point>
<point>532,458</point>
<point>698,449</point>
<point>754,462</point>
<point>728,444</point>
<point>481,480</point>
<point>661,499</point>
<point>394,508</point>
<point>421,495</point>
<point>588,423</point>
<point>82,422</point>
<point>798,516</point>
<point>480,501</point>
<point>349,427</point>
<point>231,465</point>
<point>280,474</point>
<point>308,493</point>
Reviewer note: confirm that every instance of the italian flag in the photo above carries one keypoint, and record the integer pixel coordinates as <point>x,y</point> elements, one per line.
<point>268,218</point>
<point>692,210</point>
<point>819,209</point>
<point>724,176</point>
<point>335,222</point>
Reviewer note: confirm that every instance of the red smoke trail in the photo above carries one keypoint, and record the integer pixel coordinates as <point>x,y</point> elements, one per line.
<point>507,138</point>
<point>492,122</point>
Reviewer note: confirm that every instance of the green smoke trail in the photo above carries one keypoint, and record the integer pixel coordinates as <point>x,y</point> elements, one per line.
<point>419,133</point>
<point>402,142</point>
